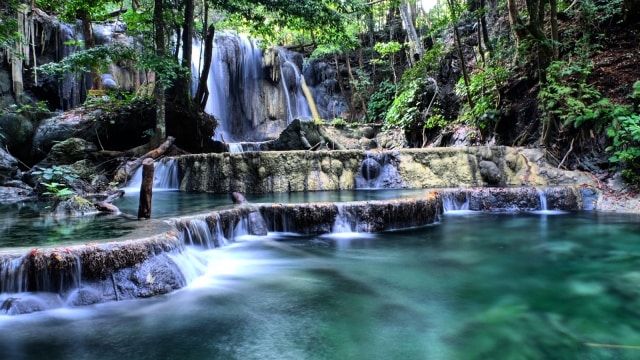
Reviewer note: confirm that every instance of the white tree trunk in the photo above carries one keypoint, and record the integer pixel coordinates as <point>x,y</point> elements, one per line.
<point>411,29</point>
<point>21,52</point>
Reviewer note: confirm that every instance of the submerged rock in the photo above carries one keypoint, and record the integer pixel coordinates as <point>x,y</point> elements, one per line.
<point>255,222</point>
<point>26,303</point>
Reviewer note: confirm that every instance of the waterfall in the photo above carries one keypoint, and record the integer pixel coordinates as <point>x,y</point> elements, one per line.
<point>250,105</point>
<point>13,275</point>
<point>342,223</point>
<point>380,171</point>
<point>234,80</point>
<point>69,87</point>
<point>299,108</point>
<point>455,201</point>
<point>235,148</point>
<point>196,232</point>
<point>19,275</point>
<point>543,200</point>
<point>165,176</point>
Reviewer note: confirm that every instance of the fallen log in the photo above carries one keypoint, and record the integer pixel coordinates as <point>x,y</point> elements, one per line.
<point>125,171</point>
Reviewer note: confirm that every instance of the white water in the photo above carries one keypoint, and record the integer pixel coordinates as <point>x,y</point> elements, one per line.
<point>235,148</point>
<point>299,108</point>
<point>544,209</point>
<point>228,76</point>
<point>451,203</point>
<point>165,176</point>
<point>342,223</point>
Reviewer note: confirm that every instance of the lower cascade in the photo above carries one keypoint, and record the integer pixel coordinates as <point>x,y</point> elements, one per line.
<point>42,279</point>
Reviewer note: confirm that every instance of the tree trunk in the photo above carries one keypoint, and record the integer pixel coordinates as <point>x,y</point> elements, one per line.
<point>463,63</point>
<point>515,22</point>
<point>125,171</point>
<point>89,43</point>
<point>146,189</point>
<point>555,37</point>
<point>341,85</point>
<point>158,91</point>
<point>202,94</point>
<point>483,26</point>
<point>184,92</point>
<point>534,28</point>
<point>411,31</point>
<point>352,79</point>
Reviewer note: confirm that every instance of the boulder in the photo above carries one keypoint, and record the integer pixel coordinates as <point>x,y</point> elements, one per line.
<point>8,167</point>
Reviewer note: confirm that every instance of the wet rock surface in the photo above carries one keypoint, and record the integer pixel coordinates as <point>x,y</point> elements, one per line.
<point>267,172</point>
<point>97,272</point>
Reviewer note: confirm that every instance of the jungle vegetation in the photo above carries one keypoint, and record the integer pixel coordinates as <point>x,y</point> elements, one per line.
<point>527,72</point>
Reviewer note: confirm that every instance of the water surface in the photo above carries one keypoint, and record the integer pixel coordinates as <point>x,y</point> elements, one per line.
<point>475,286</point>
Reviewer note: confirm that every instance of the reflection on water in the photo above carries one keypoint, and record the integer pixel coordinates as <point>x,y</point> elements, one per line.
<point>29,225</point>
<point>174,203</point>
<point>475,286</point>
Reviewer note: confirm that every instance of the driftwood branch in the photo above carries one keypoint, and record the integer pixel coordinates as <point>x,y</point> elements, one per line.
<point>567,154</point>
<point>123,173</point>
<point>106,204</point>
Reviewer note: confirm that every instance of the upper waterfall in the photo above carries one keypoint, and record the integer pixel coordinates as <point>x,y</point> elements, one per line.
<point>255,94</point>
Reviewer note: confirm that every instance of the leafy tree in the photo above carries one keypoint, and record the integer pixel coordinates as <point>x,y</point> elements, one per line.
<point>9,35</point>
<point>86,11</point>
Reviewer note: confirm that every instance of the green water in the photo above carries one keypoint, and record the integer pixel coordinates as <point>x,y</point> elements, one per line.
<point>475,286</point>
<point>32,225</point>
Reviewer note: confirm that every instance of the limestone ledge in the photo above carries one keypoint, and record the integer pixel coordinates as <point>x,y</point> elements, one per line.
<point>271,172</point>
<point>133,268</point>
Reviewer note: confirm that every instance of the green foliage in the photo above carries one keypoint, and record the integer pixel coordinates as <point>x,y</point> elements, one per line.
<point>56,173</point>
<point>339,123</point>
<point>387,49</point>
<point>625,134</point>
<point>635,95</point>
<point>9,36</point>
<point>484,90</point>
<point>268,18</point>
<point>68,10</point>
<point>568,97</point>
<point>436,121</point>
<point>82,61</point>
<point>339,44</point>
<point>428,64</point>
<point>56,179</point>
<point>362,86</point>
<point>439,19</point>
<point>405,111</point>
<point>35,112</point>
<point>380,101</point>
<point>57,190</point>
<point>595,13</point>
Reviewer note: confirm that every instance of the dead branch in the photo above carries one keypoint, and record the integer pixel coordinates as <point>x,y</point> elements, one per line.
<point>567,154</point>
<point>123,173</point>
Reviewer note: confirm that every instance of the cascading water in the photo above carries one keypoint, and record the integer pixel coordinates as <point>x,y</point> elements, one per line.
<point>250,106</point>
<point>455,201</point>
<point>543,200</point>
<point>69,86</point>
<point>342,223</point>
<point>380,171</point>
<point>298,108</point>
<point>233,82</point>
<point>165,176</point>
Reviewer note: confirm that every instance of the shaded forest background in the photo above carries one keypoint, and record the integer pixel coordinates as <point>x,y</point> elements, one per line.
<point>562,75</point>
